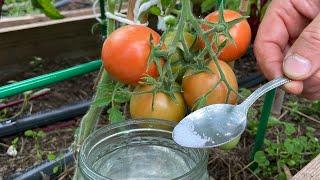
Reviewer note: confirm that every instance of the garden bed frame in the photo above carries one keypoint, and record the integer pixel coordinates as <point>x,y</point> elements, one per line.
<point>67,38</point>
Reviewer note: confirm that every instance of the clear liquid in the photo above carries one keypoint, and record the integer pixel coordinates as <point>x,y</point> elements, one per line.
<point>144,162</point>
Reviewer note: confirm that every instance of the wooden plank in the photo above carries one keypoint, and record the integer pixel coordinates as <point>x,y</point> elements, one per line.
<point>61,39</point>
<point>310,172</point>
<point>29,19</point>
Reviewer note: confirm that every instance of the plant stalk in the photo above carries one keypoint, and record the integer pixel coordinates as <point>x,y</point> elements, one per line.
<point>91,118</point>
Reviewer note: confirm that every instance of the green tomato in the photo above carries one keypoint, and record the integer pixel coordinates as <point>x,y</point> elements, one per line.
<point>230,145</point>
<point>176,58</point>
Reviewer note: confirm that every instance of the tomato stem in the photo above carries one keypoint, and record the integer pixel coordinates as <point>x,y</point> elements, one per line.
<point>187,11</point>
<point>91,118</point>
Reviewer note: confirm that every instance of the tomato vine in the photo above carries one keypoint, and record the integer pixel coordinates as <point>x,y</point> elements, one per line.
<point>114,91</point>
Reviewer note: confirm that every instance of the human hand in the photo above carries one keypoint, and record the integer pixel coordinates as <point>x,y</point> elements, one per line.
<point>288,44</point>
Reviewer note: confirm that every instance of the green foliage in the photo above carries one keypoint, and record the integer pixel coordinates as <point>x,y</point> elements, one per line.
<point>115,94</point>
<point>51,156</point>
<point>47,8</point>
<point>208,5</point>
<point>23,7</point>
<point>115,115</point>
<point>155,10</point>
<point>56,169</point>
<point>286,147</point>
<point>17,8</point>
<point>3,114</point>
<point>36,136</point>
<point>14,142</point>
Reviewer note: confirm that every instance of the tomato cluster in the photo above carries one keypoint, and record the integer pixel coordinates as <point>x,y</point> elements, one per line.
<point>127,57</point>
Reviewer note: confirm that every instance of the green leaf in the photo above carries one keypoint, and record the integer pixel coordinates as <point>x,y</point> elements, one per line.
<point>291,163</point>
<point>282,176</point>
<point>207,5</point>
<point>232,4</point>
<point>29,133</point>
<point>36,4</point>
<point>165,3</point>
<point>55,169</point>
<point>15,141</point>
<point>41,134</point>
<point>273,121</point>
<point>115,115</point>
<point>155,10</point>
<point>261,159</point>
<point>102,102</point>
<point>122,96</point>
<point>51,157</point>
<point>289,145</point>
<point>47,8</point>
<point>289,129</point>
<point>245,92</point>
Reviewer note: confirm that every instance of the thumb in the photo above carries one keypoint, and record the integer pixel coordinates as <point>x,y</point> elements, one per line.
<point>303,58</point>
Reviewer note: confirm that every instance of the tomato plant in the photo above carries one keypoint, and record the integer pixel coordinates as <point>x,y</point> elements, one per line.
<point>147,67</point>
<point>158,106</point>
<point>177,59</point>
<point>240,33</point>
<point>126,51</point>
<point>206,87</point>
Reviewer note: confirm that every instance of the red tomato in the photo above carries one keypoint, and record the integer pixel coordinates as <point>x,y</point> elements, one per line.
<point>126,51</point>
<point>240,32</point>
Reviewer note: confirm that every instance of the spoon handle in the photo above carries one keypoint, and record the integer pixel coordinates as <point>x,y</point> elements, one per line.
<point>262,90</point>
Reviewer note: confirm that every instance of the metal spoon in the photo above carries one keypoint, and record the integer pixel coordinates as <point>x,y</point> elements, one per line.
<point>218,124</point>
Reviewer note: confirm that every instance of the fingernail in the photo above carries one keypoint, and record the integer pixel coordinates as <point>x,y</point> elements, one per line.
<point>295,66</point>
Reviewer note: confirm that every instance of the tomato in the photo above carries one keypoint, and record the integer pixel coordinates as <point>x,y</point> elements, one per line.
<point>164,107</point>
<point>126,51</point>
<point>196,85</point>
<point>240,32</point>
<point>176,58</point>
<point>230,145</point>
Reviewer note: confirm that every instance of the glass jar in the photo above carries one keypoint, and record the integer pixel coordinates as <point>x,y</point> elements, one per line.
<point>140,149</point>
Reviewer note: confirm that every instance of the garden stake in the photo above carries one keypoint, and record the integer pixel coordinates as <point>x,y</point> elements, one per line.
<point>262,127</point>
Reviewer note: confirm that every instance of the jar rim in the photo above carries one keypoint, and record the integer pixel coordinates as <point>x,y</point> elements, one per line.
<point>82,157</point>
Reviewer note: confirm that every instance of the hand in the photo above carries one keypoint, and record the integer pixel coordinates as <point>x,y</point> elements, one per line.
<point>288,44</point>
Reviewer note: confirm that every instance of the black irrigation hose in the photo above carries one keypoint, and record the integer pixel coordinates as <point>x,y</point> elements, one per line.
<point>12,126</point>
<point>46,168</point>
<point>61,3</point>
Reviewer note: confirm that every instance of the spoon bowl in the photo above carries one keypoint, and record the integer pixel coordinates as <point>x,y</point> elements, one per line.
<point>210,126</point>
<point>218,124</point>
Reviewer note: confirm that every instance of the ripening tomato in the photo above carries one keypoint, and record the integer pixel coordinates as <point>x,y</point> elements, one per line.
<point>196,85</point>
<point>240,32</point>
<point>164,107</point>
<point>126,51</point>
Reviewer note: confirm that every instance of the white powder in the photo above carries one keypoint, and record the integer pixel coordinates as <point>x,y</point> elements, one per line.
<point>185,135</point>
